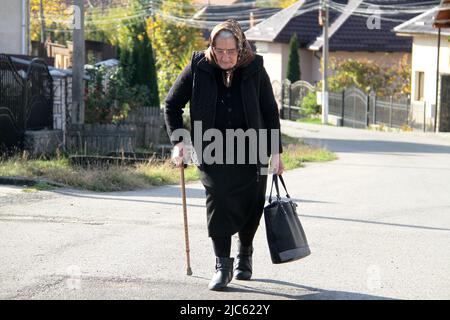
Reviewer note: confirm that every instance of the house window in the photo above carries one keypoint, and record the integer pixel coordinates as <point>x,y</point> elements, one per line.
<point>420,85</point>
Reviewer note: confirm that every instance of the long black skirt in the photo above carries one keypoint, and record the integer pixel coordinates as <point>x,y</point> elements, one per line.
<point>235,197</point>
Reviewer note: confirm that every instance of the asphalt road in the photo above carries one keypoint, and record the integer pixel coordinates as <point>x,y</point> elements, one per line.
<point>377,219</point>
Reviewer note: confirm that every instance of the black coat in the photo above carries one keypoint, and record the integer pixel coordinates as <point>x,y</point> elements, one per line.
<point>235,193</point>
<point>197,85</point>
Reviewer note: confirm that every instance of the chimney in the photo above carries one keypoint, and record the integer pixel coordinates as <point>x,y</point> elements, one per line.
<point>252,20</point>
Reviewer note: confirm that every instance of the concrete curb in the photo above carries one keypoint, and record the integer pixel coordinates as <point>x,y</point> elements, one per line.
<point>23,181</point>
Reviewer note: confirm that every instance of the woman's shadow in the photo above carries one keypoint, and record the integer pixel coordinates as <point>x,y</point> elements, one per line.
<point>308,293</point>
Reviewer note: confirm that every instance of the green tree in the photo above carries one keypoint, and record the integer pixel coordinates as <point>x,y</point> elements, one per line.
<point>173,41</point>
<point>138,60</point>
<point>56,17</point>
<point>293,68</point>
<point>112,103</point>
<point>134,46</point>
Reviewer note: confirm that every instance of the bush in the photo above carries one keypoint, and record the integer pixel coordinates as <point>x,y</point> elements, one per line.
<point>110,96</point>
<point>309,105</point>
<point>367,75</point>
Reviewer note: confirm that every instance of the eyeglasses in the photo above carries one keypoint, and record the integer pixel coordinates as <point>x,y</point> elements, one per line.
<point>231,52</point>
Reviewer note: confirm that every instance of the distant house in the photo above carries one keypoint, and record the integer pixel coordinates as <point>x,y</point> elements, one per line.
<point>215,12</point>
<point>247,14</point>
<point>351,36</point>
<point>14,26</point>
<point>62,55</point>
<point>424,60</point>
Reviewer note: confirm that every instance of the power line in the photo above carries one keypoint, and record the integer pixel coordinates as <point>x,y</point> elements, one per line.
<point>205,21</point>
<point>391,9</point>
<point>388,9</point>
<point>367,12</point>
<point>210,19</point>
<point>250,6</point>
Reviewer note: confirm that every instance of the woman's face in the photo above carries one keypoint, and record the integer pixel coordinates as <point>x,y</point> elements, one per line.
<point>226,52</point>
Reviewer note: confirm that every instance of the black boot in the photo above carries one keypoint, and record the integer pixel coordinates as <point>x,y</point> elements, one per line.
<point>243,264</point>
<point>223,275</point>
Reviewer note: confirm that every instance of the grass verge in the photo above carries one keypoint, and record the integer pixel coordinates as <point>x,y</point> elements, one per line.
<point>122,178</point>
<point>310,120</point>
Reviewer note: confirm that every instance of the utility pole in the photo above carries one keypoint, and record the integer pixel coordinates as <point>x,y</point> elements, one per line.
<point>325,21</point>
<point>78,62</point>
<point>437,81</point>
<point>25,26</point>
<point>41,14</point>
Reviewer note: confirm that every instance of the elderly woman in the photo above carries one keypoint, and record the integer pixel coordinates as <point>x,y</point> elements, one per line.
<point>228,88</point>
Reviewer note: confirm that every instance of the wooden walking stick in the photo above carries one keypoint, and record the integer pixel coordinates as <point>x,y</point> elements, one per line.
<point>186,232</point>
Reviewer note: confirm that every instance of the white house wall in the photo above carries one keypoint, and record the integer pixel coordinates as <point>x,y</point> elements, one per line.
<point>276,56</point>
<point>285,58</point>
<point>424,59</point>
<point>273,59</point>
<point>11,26</point>
<point>306,65</point>
<point>316,74</point>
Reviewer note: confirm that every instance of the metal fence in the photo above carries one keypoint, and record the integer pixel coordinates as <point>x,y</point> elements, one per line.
<point>12,105</point>
<point>354,108</point>
<point>422,116</point>
<point>39,87</point>
<point>62,102</point>
<point>290,97</point>
<point>26,100</point>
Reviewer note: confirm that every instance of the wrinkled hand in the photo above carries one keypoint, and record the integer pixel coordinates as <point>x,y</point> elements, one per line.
<point>276,164</point>
<point>178,153</point>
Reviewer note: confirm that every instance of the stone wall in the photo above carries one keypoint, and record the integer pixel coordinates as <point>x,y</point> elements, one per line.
<point>43,142</point>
